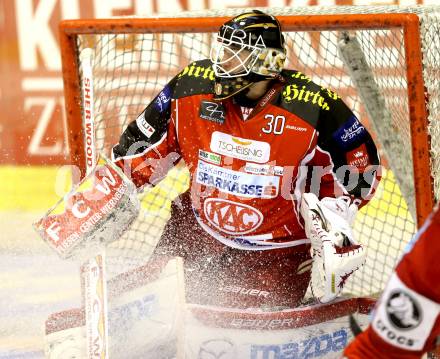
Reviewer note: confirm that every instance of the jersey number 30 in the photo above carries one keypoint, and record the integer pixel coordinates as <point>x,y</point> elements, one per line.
<point>275,124</point>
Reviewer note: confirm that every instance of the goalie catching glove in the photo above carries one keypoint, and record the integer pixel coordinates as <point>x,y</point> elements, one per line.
<point>335,252</point>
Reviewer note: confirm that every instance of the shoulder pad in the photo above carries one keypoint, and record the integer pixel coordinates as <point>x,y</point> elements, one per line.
<point>195,79</point>
<point>303,97</point>
<point>294,76</point>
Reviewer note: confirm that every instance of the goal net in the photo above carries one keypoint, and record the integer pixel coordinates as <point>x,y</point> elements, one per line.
<point>383,61</point>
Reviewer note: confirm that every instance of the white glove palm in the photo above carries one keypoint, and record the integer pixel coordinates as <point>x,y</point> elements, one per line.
<point>339,215</point>
<point>336,254</point>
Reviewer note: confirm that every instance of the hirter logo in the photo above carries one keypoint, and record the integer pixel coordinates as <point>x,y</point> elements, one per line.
<point>232,217</point>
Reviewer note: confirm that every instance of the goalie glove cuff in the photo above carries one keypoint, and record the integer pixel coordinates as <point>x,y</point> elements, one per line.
<point>338,263</point>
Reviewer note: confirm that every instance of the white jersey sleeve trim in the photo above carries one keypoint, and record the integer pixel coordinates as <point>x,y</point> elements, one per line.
<point>300,179</point>
<point>339,184</point>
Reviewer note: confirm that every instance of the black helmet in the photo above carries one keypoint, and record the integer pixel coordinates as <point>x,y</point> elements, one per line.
<point>249,48</point>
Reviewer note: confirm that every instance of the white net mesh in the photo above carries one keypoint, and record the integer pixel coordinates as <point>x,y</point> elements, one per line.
<point>129,70</point>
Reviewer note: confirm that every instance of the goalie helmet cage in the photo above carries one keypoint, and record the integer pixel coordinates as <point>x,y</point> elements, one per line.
<point>396,95</point>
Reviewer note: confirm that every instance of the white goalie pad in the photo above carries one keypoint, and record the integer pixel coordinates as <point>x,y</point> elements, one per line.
<point>148,319</point>
<point>335,252</point>
<point>144,317</point>
<point>95,213</point>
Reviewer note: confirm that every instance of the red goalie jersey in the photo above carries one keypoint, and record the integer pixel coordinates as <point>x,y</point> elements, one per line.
<point>258,165</point>
<point>406,322</point>
<point>240,219</point>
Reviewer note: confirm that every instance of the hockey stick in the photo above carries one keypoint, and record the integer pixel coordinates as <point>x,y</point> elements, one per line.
<point>148,299</point>
<point>95,305</point>
<point>79,225</point>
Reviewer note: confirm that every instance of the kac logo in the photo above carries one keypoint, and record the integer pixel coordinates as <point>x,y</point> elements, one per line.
<point>232,217</point>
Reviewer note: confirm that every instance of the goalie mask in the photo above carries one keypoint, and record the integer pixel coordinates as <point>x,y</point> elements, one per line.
<point>249,48</point>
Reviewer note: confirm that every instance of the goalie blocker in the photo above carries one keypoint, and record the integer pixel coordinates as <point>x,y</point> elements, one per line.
<point>95,213</point>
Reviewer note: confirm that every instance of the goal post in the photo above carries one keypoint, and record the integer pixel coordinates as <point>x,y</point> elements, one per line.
<point>135,57</point>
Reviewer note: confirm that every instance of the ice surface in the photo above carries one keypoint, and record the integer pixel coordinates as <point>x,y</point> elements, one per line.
<point>34,283</point>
